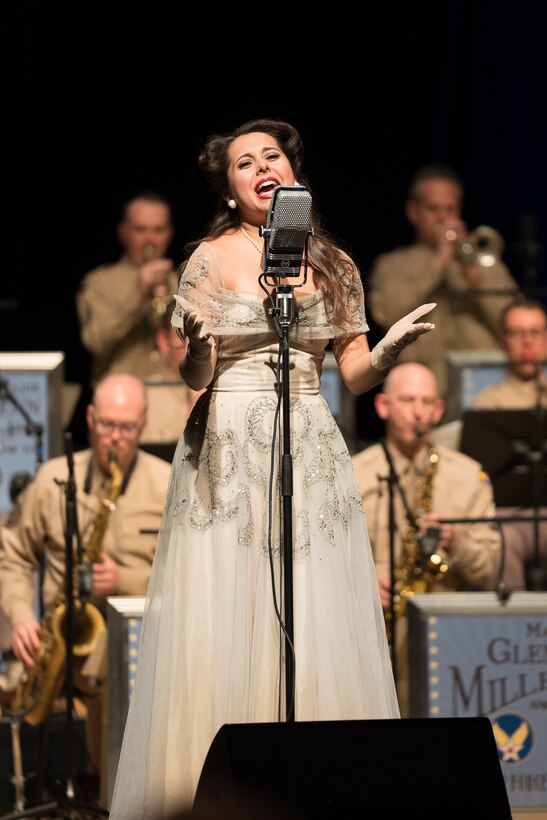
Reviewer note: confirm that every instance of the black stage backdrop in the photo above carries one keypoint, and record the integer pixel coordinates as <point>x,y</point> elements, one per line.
<point>112,98</point>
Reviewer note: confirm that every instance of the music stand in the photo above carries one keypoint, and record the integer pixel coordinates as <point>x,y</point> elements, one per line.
<point>511,445</point>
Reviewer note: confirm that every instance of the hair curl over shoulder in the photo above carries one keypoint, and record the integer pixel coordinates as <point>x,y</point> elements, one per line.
<point>335,272</point>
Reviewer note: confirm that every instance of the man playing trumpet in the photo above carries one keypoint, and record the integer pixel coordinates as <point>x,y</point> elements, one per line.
<point>445,265</point>
<point>121,305</point>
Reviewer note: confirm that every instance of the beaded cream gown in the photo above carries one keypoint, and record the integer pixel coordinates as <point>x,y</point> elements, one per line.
<point>211,642</point>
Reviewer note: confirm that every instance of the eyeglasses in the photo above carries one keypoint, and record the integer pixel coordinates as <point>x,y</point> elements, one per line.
<point>518,333</point>
<point>128,429</point>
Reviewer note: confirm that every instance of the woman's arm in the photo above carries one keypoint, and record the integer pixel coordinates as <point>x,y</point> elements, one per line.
<point>361,368</point>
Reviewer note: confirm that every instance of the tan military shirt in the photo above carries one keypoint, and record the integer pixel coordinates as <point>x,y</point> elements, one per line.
<point>512,393</point>
<point>519,548</point>
<point>36,530</point>
<point>169,402</point>
<point>117,322</point>
<point>460,489</point>
<point>403,279</point>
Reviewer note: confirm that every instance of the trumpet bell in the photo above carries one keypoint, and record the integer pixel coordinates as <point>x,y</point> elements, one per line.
<point>484,246</point>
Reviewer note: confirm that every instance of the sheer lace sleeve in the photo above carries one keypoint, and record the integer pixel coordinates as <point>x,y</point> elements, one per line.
<point>224,312</point>
<point>200,285</point>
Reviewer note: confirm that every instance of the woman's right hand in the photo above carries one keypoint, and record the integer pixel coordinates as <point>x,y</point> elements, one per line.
<point>201,342</point>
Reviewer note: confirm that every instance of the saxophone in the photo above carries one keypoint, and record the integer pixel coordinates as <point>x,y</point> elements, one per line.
<point>41,683</point>
<point>419,564</point>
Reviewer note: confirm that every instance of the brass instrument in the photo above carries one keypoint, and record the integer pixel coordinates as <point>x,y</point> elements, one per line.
<point>161,297</point>
<point>419,564</point>
<point>484,246</point>
<point>40,684</point>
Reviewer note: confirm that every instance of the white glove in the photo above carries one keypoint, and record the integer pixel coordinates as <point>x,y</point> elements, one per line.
<point>399,335</point>
<point>201,342</point>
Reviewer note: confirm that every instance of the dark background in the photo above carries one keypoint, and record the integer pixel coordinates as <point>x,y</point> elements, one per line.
<point>112,98</point>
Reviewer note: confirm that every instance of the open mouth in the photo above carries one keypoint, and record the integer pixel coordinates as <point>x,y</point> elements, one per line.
<point>266,187</point>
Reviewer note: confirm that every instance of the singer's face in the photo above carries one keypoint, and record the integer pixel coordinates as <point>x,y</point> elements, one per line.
<point>257,165</point>
<point>524,340</point>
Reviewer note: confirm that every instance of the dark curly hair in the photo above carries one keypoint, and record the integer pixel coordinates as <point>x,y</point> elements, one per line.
<point>336,274</point>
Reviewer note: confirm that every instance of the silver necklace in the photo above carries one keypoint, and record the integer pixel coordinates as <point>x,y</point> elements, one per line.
<point>251,240</point>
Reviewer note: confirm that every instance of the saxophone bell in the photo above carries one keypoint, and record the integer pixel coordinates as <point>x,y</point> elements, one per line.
<point>88,625</point>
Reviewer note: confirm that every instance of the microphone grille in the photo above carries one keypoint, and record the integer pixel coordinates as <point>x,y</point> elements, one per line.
<point>289,216</point>
<point>291,207</point>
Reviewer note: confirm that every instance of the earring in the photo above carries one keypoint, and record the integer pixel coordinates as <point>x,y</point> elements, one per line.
<point>232,204</point>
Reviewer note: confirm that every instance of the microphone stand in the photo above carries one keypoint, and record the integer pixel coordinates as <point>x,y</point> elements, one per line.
<point>72,536</point>
<point>391,480</point>
<point>282,317</point>
<point>72,532</point>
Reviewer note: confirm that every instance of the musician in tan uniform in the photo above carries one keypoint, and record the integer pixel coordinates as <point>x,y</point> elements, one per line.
<point>523,337</point>
<point>34,537</point>
<point>429,483</point>
<point>120,305</point>
<point>436,268</point>
<point>169,399</point>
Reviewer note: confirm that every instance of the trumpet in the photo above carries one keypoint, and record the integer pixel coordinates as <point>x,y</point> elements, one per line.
<point>484,246</point>
<point>160,296</point>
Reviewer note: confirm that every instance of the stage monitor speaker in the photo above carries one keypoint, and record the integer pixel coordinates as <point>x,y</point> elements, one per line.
<point>433,767</point>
